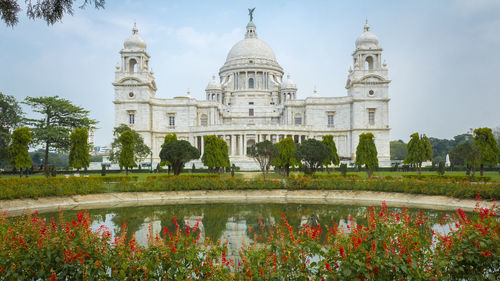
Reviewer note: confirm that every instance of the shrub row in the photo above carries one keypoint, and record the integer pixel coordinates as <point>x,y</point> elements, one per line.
<point>449,177</point>
<point>196,175</point>
<point>382,245</point>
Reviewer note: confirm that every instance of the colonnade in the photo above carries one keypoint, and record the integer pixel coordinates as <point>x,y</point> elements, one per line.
<point>238,143</point>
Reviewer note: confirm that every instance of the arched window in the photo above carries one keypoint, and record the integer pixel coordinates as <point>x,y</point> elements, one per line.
<point>132,65</point>
<point>369,63</point>
<point>250,83</point>
<point>204,120</point>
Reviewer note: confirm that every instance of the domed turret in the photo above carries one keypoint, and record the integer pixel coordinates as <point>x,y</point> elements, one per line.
<point>367,40</point>
<point>288,83</point>
<point>134,41</point>
<point>213,84</point>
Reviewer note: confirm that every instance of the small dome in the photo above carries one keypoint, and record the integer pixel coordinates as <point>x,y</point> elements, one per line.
<point>134,41</point>
<point>213,85</point>
<point>288,83</point>
<point>367,40</point>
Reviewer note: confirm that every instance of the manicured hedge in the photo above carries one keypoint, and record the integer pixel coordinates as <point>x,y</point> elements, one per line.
<point>449,177</point>
<point>196,175</point>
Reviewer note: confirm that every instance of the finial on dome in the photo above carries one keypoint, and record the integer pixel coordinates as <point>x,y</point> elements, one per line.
<point>251,26</point>
<point>134,29</point>
<point>367,26</point>
<point>189,93</point>
<point>315,92</point>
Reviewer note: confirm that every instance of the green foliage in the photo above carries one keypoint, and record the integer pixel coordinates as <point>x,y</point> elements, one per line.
<point>264,153</point>
<point>127,141</point>
<point>79,156</point>
<point>18,149</point>
<point>103,170</point>
<point>441,168</point>
<point>141,150</point>
<point>485,140</point>
<point>366,153</point>
<point>285,155</point>
<point>343,169</point>
<point>467,153</point>
<point>398,150</point>
<point>11,117</point>
<point>334,157</point>
<point>313,154</point>
<point>58,118</point>
<point>215,155</point>
<point>178,153</point>
<point>419,150</point>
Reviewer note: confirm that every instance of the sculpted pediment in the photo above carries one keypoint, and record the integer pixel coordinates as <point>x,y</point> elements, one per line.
<point>130,81</point>
<point>372,78</point>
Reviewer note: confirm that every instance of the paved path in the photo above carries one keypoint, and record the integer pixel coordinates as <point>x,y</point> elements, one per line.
<point>126,199</point>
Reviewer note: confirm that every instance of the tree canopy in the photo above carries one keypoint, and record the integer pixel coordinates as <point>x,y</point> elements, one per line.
<point>141,150</point>
<point>485,140</point>
<point>11,116</point>
<point>127,141</point>
<point>313,154</point>
<point>334,157</point>
<point>398,150</point>
<point>18,149</point>
<point>366,153</point>
<point>59,118</point>
<point>79,156</point>
<point>285,157</point>
<point>215,153</point>
<point>418,151</point>
<point>51,11</point>
<point>178,153</point>
<point>263,153</point>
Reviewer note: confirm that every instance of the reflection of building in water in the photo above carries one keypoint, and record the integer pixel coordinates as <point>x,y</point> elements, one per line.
<point>236,237</point>
<point>141,235</point>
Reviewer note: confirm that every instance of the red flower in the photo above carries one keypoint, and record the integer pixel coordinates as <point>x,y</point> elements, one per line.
<point>328,267</point>
<point>486,253</point>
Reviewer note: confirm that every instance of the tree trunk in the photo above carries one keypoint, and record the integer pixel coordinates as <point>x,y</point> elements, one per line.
<point>46,160</point>
<point>20,172</point>
<point>369,172</point>
<point>419,168</point>
<point>287,170</point>
<point>481,171</point>
<point>126,171</point>
<point>327,170</point>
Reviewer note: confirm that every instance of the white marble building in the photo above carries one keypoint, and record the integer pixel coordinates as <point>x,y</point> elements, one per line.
<point>252,100</point>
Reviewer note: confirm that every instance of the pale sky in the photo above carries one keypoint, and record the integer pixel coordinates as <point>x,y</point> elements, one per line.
<point>443,56</point>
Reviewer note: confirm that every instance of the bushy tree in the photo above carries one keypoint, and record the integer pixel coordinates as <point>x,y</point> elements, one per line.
<point>178,153</point>
<point>366,153</point>
<point>168,138</point>
<point>59,118</point>
<point>285,155</point>
<point>334,157</point>
<point>263,153</point>
<point>50,11</point>
<point>11,116</point>
<point>141,150</point>
<point>418,151</point>
<point>215,155</point>
<point>127,141</point>
<point>312,153</point>
<point>398,150</point>
<point>18,149</point>
<point>79,156</point>
<point>485,140</point>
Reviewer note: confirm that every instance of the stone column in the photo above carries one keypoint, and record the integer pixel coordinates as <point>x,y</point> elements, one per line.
<point>241,145</point>
<point>233,144</point>
<point>244,139</point>
<point>202,146</point>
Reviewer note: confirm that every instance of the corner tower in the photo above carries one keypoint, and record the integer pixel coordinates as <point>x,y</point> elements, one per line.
<point>368,85</point>
<point>134,86</point>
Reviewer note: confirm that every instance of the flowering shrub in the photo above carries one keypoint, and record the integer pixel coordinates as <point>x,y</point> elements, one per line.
<point>449,177</point>
<point>387,246</point>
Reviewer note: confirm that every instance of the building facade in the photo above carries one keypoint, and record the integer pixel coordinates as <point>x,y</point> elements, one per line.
<point>252,100</point>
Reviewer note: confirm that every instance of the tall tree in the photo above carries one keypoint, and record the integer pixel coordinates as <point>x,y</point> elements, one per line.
<point>366,153</point>
<point>178,153</point>
<point>51,11</point>
<point>141,150</point>
<point>263,153</point>
<point>59,118</point>
<point>79,155</point>
<point>11,116</point>
<point>18,149</point>
<point>485,140</point>
<point>313,154</point>
<point>418,151</point>
<point>285,155</point>
<point>334,157</point>
<point>215,155</point>
<point>127,152</point>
